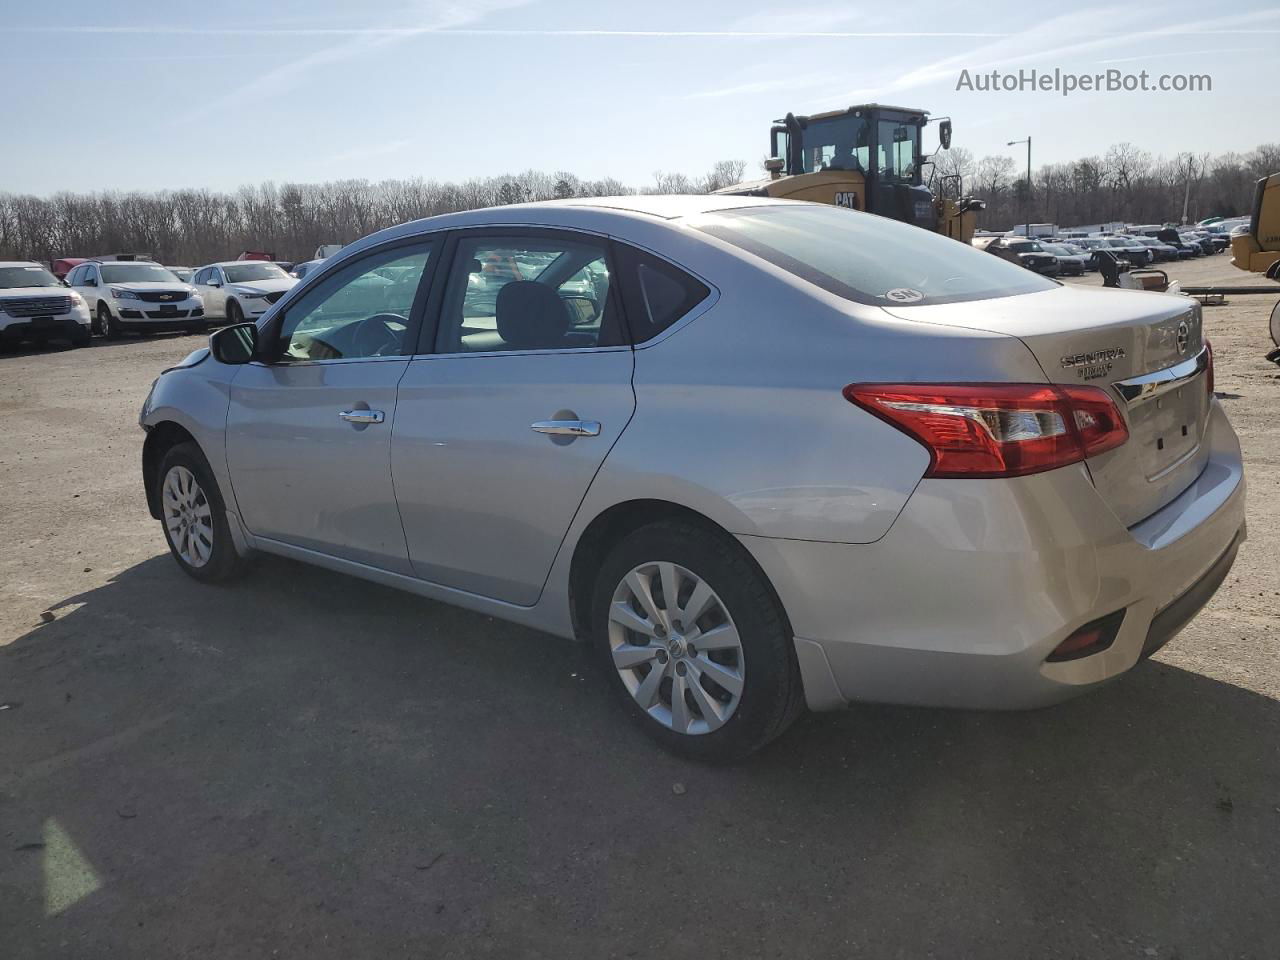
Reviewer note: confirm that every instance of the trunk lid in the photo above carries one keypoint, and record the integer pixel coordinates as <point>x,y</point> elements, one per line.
<point>1145,349</point>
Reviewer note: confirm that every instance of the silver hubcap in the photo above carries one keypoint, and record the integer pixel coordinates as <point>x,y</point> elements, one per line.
<point>188,517</point>
<point>676,648</point>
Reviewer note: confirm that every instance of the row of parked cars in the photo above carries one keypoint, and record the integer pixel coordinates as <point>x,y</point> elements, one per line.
<point>1072,255</point>
<point>109,296</point>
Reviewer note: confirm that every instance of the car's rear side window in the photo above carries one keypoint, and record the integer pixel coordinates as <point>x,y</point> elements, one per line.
<point>866,258</point>
<point>655,293</point>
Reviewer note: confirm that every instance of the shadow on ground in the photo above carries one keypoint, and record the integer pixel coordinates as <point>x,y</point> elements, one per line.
<point>310,764</point>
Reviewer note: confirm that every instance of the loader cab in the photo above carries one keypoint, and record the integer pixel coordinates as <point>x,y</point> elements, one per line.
<point>882,143</point>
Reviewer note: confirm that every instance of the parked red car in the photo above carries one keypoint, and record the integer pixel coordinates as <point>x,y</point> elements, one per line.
<point>61,268</point>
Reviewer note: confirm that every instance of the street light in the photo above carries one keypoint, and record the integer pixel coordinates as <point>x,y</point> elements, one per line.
<point>1014,143</point>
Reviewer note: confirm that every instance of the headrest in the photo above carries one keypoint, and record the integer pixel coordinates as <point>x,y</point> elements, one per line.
<point>531,316</point>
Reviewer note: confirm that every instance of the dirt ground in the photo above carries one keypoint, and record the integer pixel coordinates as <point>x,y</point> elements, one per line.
<point>306,765</point>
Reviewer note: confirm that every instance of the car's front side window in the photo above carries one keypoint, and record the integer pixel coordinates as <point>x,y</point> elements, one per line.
<point>362,311</point>
<point>528,293</point>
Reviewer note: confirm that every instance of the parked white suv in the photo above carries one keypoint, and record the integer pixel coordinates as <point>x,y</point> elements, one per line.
<point>34,305</point>
<point>136,295</point>
<point>239,290</point>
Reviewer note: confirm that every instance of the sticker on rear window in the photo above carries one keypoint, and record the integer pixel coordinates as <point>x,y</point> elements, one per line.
<point>904,295</point>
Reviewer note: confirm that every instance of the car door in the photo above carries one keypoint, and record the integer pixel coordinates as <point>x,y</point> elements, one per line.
<point>197,281</point>
<point>88,286</point>
<point>72,279</point>
<point>214,292</point>
<point>508,412</point>
<point>309,432</point>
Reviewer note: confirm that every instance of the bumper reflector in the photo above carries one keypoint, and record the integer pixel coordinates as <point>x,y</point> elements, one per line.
<point>1093,637</point>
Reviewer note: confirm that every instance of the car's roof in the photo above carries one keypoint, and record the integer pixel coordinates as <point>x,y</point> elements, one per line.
<point>20,263</point>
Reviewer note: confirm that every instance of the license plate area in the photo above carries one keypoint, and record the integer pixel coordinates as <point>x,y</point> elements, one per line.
<point>1167,428</point>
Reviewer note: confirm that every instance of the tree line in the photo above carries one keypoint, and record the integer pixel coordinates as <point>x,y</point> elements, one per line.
<point>194,227</point>
<point>1125,184</point>
<point>291,219</point>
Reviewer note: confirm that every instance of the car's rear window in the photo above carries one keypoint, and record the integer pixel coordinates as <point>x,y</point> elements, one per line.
<point>869,259</point>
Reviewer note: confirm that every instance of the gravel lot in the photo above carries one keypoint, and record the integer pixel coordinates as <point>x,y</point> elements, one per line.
<point>306,765</point>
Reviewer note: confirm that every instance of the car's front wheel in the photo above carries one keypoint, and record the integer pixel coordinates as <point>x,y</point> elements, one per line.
<point>234,313</point>
<point>194,515</point>
<point>105,325</point>
<point>695,641</point>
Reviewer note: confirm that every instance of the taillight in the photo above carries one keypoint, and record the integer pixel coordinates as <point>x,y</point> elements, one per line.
<point>997,429</point>
<point>1208,348</point>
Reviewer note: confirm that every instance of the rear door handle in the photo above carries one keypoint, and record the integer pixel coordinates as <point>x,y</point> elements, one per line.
<point>363,416</point>
<point>567,428</point>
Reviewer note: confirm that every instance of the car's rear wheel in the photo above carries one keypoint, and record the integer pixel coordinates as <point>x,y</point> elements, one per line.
<point>194,515</point>
<point>1275,324</point>
<point>695,641</point>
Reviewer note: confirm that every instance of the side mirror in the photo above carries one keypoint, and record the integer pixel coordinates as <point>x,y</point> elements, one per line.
<point>944,134</point>
<point>234,345</point>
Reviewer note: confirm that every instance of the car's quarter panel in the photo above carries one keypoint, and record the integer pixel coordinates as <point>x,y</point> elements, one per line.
<point>740,414</point>
<point>485,499</point>
<point>304,475</point>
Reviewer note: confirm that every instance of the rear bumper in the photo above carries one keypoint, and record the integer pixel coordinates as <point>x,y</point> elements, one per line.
<point>977,582</point>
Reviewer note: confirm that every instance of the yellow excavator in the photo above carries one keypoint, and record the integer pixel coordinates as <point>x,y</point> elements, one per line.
<point>866,157</point>
<point>1257,250</point>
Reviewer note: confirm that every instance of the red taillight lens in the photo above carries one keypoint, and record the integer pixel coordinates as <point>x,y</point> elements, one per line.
<point>997,429</point>
<point>1208,348</point>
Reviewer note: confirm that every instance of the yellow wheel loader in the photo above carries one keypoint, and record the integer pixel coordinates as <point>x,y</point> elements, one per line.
<point>868,158</point>
<point>1257,249</point>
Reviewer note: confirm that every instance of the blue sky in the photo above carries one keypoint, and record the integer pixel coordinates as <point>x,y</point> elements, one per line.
<point>131,95</point>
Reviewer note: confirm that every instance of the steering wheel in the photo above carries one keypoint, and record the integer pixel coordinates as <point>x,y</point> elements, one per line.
<point>376,336</point>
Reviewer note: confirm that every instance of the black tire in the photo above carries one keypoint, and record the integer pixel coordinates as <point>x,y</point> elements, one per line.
<point>223,562</point>
<point>234,313</point>
<point>107,326</point>
<point>772,695</point>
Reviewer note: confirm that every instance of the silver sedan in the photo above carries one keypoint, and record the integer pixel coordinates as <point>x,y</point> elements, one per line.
<point>761,454</point>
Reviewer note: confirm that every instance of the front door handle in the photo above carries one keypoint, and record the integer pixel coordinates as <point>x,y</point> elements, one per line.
<point>567,428</point>
<point>363,416</point>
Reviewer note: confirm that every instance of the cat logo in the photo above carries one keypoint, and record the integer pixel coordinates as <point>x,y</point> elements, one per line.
<point>847,198</point>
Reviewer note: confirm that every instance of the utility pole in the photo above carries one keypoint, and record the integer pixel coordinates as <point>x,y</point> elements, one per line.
<point>1014,143</point>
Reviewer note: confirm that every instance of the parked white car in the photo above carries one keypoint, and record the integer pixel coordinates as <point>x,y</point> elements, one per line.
<point>35,306</point>
<point>239,290</point>
<point>137,295</point>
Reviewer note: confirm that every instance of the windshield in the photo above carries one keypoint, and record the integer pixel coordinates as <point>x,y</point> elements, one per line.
<point>1026,246</point>
<point>837,143</point>
<point>869,259</point>
<point>250,271</point>
<point>1117,242</point>
<point>136,273</point>
<point>26,276</point>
